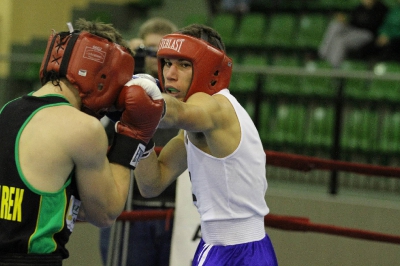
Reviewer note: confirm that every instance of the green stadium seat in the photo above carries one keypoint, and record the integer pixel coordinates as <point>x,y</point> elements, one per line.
<point>100,15</point>
<point>225,25</point>
<point>391,3</point>
<point>243,85</point>
<point>311,30</point>
<point>28,71</point>
<point>389,137</point>
<point>346,5</point>
<point>317,85</point>
<point>355,88</point>
<point>196,18</point>
<point>264,119</point>
<point>251,30</point>
<point>320,4</point>
<point>236,57</point>
<point>247,81</point>
<point>359,130</point>
<point>283,83</point>
<point>319,132</point>
<point>266,5</point>
<point>287,124</point>
<point>280,32</point>
<point>249,106</point>
<point>380,89</point>
<point>328,5</point>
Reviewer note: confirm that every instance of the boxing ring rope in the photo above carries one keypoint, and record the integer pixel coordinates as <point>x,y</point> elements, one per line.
<point>288,223</point>
<point>293,223</point>
<point>307,163</point>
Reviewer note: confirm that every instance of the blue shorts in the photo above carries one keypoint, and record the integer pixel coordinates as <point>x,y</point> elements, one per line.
<point>257,253</point>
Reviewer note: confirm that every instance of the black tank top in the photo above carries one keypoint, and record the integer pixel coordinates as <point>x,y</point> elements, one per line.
<point>31,221</point>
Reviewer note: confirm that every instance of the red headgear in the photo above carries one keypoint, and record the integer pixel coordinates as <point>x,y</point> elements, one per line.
<point>212,68</point>
<point>97,67</point>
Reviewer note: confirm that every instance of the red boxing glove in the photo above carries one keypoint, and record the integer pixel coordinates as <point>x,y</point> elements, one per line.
<point>142,106</point>
<point>142,112</point>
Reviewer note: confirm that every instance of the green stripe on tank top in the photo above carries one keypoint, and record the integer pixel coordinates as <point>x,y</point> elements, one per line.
<point>51,219</point>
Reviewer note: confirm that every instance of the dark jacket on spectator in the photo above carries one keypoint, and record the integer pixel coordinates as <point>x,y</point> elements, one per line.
<point>370,19</point>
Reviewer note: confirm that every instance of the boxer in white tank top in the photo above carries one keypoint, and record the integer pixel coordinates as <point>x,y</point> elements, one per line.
<point>218,144</point>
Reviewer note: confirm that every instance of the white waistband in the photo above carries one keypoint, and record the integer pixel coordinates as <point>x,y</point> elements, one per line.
<point>234,231</point>
<point>147,203</point>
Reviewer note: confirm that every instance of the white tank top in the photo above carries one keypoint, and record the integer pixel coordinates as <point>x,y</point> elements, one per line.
<point>229,192</point>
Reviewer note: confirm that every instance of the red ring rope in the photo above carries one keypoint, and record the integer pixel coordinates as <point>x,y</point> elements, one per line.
<point>291,223</point>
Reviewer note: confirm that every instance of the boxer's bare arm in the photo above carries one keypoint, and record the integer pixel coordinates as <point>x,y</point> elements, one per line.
<point>142,105</point>
<point>154,174</point>
<point>56,140</point>
<point>103,187</point>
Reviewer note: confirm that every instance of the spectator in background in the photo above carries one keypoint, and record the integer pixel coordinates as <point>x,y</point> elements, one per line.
<point>388,40</point>
<point>151,33</point>
<point>135,43</point>
<point>351,32</point>
<point>149,241</point>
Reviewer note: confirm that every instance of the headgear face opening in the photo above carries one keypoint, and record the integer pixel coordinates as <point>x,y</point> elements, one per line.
<point>97,67</point>
<point>212,68</point>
